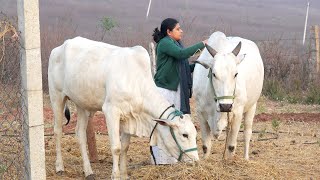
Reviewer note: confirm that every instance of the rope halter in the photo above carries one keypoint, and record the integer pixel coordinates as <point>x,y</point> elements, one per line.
<point>174,113</point>
<point>179,113</point>
<point>216,98</point>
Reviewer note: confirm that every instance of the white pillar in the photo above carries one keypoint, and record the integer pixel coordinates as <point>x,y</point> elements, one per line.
<point>32,105</point>
<point>152,54</point>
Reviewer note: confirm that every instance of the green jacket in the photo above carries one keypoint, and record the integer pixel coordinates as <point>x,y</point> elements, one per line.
<point>168,55</point>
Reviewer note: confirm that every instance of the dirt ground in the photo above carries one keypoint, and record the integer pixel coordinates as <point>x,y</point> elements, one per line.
<point>285,145</point>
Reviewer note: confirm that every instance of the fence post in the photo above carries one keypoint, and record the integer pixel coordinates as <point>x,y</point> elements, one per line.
<point>314,59</point>
<point>316,36</point>
<point>32,102</point>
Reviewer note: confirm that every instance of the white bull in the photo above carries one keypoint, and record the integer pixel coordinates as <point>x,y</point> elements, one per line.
<point>118,81</point>
<point>232,83</point>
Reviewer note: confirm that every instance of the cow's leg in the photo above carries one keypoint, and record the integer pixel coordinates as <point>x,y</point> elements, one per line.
<point>125,141</point>
<point>81,134</point>
<point>57,103</point>
<point>113,125</point>
<point>248,119</point>
<point>205,131</point>
<point>232,135</point>
<point>205,137</point>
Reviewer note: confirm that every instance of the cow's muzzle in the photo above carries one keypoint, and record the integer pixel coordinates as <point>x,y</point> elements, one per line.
<point>225,107</point>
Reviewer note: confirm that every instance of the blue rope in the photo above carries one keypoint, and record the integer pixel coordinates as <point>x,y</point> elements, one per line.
<point>175,113</point>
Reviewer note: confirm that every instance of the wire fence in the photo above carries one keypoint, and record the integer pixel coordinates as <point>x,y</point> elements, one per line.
<point>12,137</point>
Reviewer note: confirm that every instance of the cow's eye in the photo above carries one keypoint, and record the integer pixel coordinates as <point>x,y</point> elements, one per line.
<point>236,75</point>
<point>214,75</point>
<point>185,135</point>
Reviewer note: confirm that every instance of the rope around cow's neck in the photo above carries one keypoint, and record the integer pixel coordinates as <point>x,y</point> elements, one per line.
<point>228,129</point>
<point>160,118</point>
<point>154,159</point>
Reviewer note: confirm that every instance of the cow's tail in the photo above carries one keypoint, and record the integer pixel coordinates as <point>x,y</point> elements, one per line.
<point>67,113</point>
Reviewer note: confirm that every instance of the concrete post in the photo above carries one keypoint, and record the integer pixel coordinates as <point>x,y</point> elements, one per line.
<point>152,54</point>
<point>32,102</point>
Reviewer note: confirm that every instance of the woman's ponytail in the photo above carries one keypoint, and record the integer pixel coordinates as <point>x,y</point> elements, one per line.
<point>157,35</point>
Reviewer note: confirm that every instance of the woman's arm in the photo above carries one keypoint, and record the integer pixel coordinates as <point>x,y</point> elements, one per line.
<point>169,47</point>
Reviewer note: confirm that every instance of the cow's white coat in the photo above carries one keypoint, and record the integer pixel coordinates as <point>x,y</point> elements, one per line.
<point>100,77</point>
<point>246,86</point>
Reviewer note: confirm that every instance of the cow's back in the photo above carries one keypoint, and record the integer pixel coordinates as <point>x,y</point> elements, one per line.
<point>250,71</point>
<point>86,71</point>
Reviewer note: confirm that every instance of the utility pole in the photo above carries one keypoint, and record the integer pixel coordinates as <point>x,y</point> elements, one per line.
<point>305,24</point>
<point>148,9</point>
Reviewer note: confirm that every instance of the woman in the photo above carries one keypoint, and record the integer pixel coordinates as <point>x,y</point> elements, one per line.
<point>173,76</point>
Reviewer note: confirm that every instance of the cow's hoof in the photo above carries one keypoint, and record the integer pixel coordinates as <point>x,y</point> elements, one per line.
<point>231,148</point>
<point>205,149</point>
<point>60,173</point>
<point>90,177</point>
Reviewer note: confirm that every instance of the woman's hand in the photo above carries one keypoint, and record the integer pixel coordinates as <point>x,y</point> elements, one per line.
<point>205,42</point>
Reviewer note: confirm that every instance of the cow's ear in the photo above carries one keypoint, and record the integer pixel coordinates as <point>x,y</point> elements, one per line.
<point>165,122</point>
<point>240,58</point>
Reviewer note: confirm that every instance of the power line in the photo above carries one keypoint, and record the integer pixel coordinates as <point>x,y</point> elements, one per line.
<point>285,39</point>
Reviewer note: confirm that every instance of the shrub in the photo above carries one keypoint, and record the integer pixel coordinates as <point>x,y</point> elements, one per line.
<point>273,90</point>
<point>313,95</point>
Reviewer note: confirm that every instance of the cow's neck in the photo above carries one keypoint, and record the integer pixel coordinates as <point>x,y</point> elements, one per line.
<point>156,105</point>
<point>142,123</point>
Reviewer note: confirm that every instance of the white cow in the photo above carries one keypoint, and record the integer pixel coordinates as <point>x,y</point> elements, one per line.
<point>231,83</point>
<point>102,77</point>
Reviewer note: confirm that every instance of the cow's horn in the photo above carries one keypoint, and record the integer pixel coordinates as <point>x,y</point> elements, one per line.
<point>211,50</point>
<point>203,64</point>
<point>237,49</point>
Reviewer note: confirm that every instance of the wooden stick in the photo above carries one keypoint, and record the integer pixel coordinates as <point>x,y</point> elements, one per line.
<point>91,140</point>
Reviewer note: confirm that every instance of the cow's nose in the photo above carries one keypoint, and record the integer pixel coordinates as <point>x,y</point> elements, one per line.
<point>225,107</point>
<point>217,135</point>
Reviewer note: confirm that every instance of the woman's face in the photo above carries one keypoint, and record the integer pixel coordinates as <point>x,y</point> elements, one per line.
<point>176,33</point>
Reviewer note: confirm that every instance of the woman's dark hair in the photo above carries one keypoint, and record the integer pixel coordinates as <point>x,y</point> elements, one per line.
<point>168,23</point>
